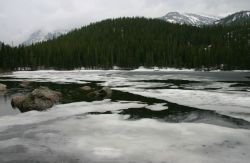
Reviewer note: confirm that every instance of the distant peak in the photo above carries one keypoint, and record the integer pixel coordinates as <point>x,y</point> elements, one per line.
<point>188,18</point>
<point>236,18</point>
<point>43,35</point>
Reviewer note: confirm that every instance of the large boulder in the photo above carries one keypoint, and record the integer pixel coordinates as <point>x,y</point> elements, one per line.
<point>103,93</point>
<point>40,99</point>
<point>46,93</point>
<point>3,87</point>
<point>17,101</point>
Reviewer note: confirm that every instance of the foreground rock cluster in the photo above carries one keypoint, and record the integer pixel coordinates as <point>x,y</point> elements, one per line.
<point>40,99</point>
<point>44,98</point>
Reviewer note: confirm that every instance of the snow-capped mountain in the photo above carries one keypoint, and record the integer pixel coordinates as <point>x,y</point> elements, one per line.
<point>41,35</point>
<point>189,19</point>
<point>236,18</point>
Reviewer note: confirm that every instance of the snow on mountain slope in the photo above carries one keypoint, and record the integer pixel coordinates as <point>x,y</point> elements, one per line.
<point>189,19</point>
<point>41,35</point>
<point>236,18</point>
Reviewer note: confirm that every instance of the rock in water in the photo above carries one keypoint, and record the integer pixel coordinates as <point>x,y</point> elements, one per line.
<point>3,87</point>
<point>40,99</point>
<point>103,93</point>
<point>25,84</point>
<point>17,101</point>
<point>35,103</point>
<point>46,93</point>
<point>107,91</point>
<point>86,88</point>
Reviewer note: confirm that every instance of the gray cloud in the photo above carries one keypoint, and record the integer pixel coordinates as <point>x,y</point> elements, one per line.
<point>18,18</point>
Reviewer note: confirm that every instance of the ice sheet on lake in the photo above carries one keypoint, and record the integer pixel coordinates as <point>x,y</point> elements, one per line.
<point>83,76</point>
<point>223,100</point>
<point>67,134</point>
<point>60,111</point>
<point>120,76</point>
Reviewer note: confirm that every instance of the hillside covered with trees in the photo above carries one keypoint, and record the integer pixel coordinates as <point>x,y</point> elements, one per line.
<point>134,42</point>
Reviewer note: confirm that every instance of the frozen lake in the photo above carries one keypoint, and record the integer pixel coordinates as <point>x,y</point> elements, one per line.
<point>152,116</point>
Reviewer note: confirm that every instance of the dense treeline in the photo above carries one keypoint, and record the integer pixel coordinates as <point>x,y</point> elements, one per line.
<point>133,42</point>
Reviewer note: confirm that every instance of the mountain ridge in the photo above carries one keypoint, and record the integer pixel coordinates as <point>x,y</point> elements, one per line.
<point>192,19</point>
<point>41,35</point>
<point>189,18</point>
<point>199,20</point>
<point>235,18</point>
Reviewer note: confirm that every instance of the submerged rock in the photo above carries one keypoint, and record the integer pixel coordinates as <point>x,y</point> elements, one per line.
<point>107,91</point>
<point>86,88</point>
<point>40,99</point>
<point>3,87</point>
<point>25,83</point>
<point>103,93</point>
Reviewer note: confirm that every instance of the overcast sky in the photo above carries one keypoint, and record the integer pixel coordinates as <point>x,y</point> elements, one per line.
<point>19,18</point>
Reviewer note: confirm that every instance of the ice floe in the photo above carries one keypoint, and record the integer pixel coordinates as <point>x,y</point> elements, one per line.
<point>228,103</point>
<point>157,107</point>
